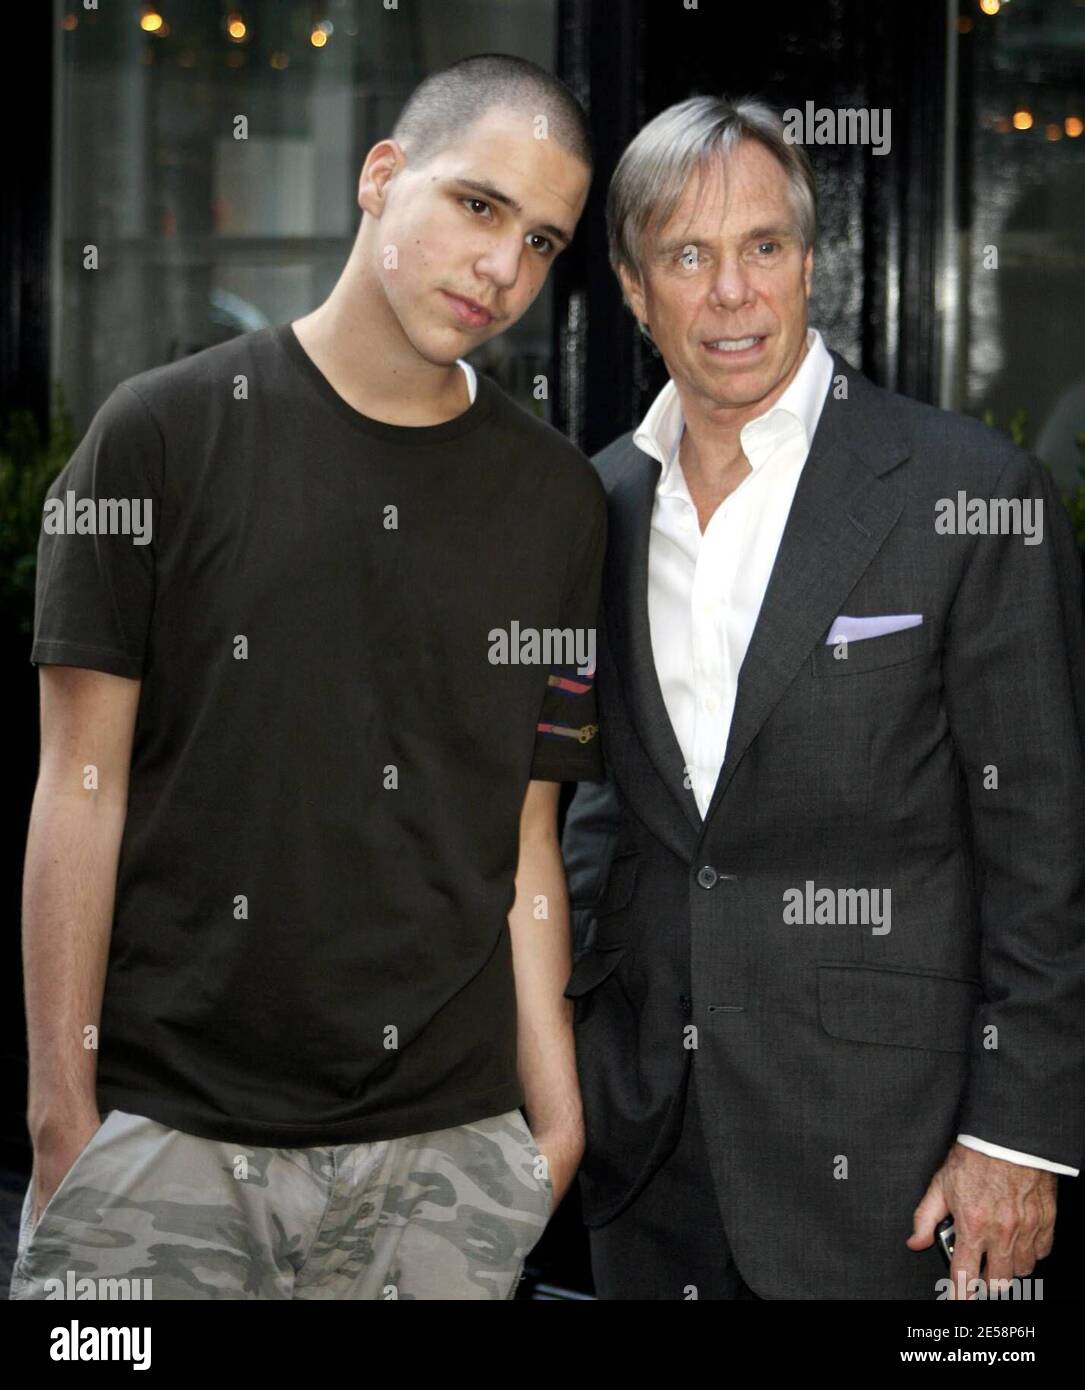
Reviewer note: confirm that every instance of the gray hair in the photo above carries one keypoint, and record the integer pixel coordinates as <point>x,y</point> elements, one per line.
<point>653,172</point>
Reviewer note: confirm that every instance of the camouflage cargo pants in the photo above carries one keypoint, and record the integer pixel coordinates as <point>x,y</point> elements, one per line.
<point>146,1211</point>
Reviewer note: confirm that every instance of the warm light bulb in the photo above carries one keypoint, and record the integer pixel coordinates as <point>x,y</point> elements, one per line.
<point>1022,119</point>
<point>990,6</point>
<point>150,21</point>
<point>1074,126</point>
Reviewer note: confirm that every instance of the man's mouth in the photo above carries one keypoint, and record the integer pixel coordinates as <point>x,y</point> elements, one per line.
<point>735,345</point>
<point>469,311</point>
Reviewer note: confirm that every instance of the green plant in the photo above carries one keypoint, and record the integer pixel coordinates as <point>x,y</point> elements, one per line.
<point>1015,429</point>
<point>1075,501</point>
<point>28,465</point>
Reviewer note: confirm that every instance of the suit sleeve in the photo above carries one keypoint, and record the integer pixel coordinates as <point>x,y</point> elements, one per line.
<point>970,1141</point>
<point>587,846</point>
<point>1014,689</point>
<point>94,594</point>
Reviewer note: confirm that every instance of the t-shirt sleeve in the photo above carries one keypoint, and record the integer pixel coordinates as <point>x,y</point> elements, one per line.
<point>567,734</point>
<point>94,594</point>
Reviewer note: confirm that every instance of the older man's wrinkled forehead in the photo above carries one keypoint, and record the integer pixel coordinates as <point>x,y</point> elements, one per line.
<point>740,193</point>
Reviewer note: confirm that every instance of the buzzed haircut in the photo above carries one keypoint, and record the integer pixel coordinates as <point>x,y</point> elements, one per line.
<point>446,103</point>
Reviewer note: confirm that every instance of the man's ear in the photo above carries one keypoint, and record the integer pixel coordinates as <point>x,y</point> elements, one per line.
<point>632,292</point>
<point>808,269</point>
<point>383,160</point>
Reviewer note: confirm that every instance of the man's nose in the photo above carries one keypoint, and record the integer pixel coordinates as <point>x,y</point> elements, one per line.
<point>731,287</point>
<point>500,262</point>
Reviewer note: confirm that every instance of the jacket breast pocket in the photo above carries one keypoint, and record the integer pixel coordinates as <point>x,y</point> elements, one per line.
<point>897,1008</point>
<point>871,653</point>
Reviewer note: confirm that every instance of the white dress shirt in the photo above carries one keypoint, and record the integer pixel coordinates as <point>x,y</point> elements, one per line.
<point>705,591</point>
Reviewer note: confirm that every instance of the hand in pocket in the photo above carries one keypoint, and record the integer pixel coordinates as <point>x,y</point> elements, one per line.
<point>55,1153</point>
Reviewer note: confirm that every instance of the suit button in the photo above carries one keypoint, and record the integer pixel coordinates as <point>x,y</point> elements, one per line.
<point>707,876</point>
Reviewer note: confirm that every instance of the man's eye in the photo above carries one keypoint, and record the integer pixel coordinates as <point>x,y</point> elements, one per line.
<point>475,203</point>
<point>772,246</point>
<point>546,247</point>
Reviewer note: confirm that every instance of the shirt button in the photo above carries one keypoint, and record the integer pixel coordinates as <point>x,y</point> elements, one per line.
<point>707,876</point>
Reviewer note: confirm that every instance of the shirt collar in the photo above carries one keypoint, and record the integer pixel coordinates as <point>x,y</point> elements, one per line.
<point>660,431</point>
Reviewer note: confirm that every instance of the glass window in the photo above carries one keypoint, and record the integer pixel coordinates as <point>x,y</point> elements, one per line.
<point>1022,113</point>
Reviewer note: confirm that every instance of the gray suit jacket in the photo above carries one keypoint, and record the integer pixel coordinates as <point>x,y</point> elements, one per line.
<point>835,1064</point>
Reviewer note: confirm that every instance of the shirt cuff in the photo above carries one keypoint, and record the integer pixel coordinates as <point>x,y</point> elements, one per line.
<point>1014,1156</point>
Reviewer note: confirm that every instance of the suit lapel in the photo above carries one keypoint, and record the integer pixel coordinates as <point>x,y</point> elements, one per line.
<point>841,514</point>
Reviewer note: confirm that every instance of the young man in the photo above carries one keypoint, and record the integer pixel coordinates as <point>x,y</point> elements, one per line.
<point>287,793</point>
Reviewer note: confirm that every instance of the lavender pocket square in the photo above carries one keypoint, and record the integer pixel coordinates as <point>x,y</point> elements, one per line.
<point>845,629</point>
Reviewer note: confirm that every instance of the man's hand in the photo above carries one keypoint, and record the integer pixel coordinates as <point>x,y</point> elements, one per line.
<point>56,1147</point>
<point>563,1149</point>
<point>1003,1210</point>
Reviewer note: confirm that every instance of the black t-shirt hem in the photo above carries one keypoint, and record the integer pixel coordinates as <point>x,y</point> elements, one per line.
<point>392,1124</point>
<point>586,772</point>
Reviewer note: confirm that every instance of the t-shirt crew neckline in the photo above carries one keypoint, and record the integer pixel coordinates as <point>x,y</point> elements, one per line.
<point>479,409</point>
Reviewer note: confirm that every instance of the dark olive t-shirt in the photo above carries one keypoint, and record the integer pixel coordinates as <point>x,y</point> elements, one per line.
<point>333,743</point>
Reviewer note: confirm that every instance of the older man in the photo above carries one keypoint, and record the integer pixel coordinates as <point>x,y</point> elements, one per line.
<point>830,900</point>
